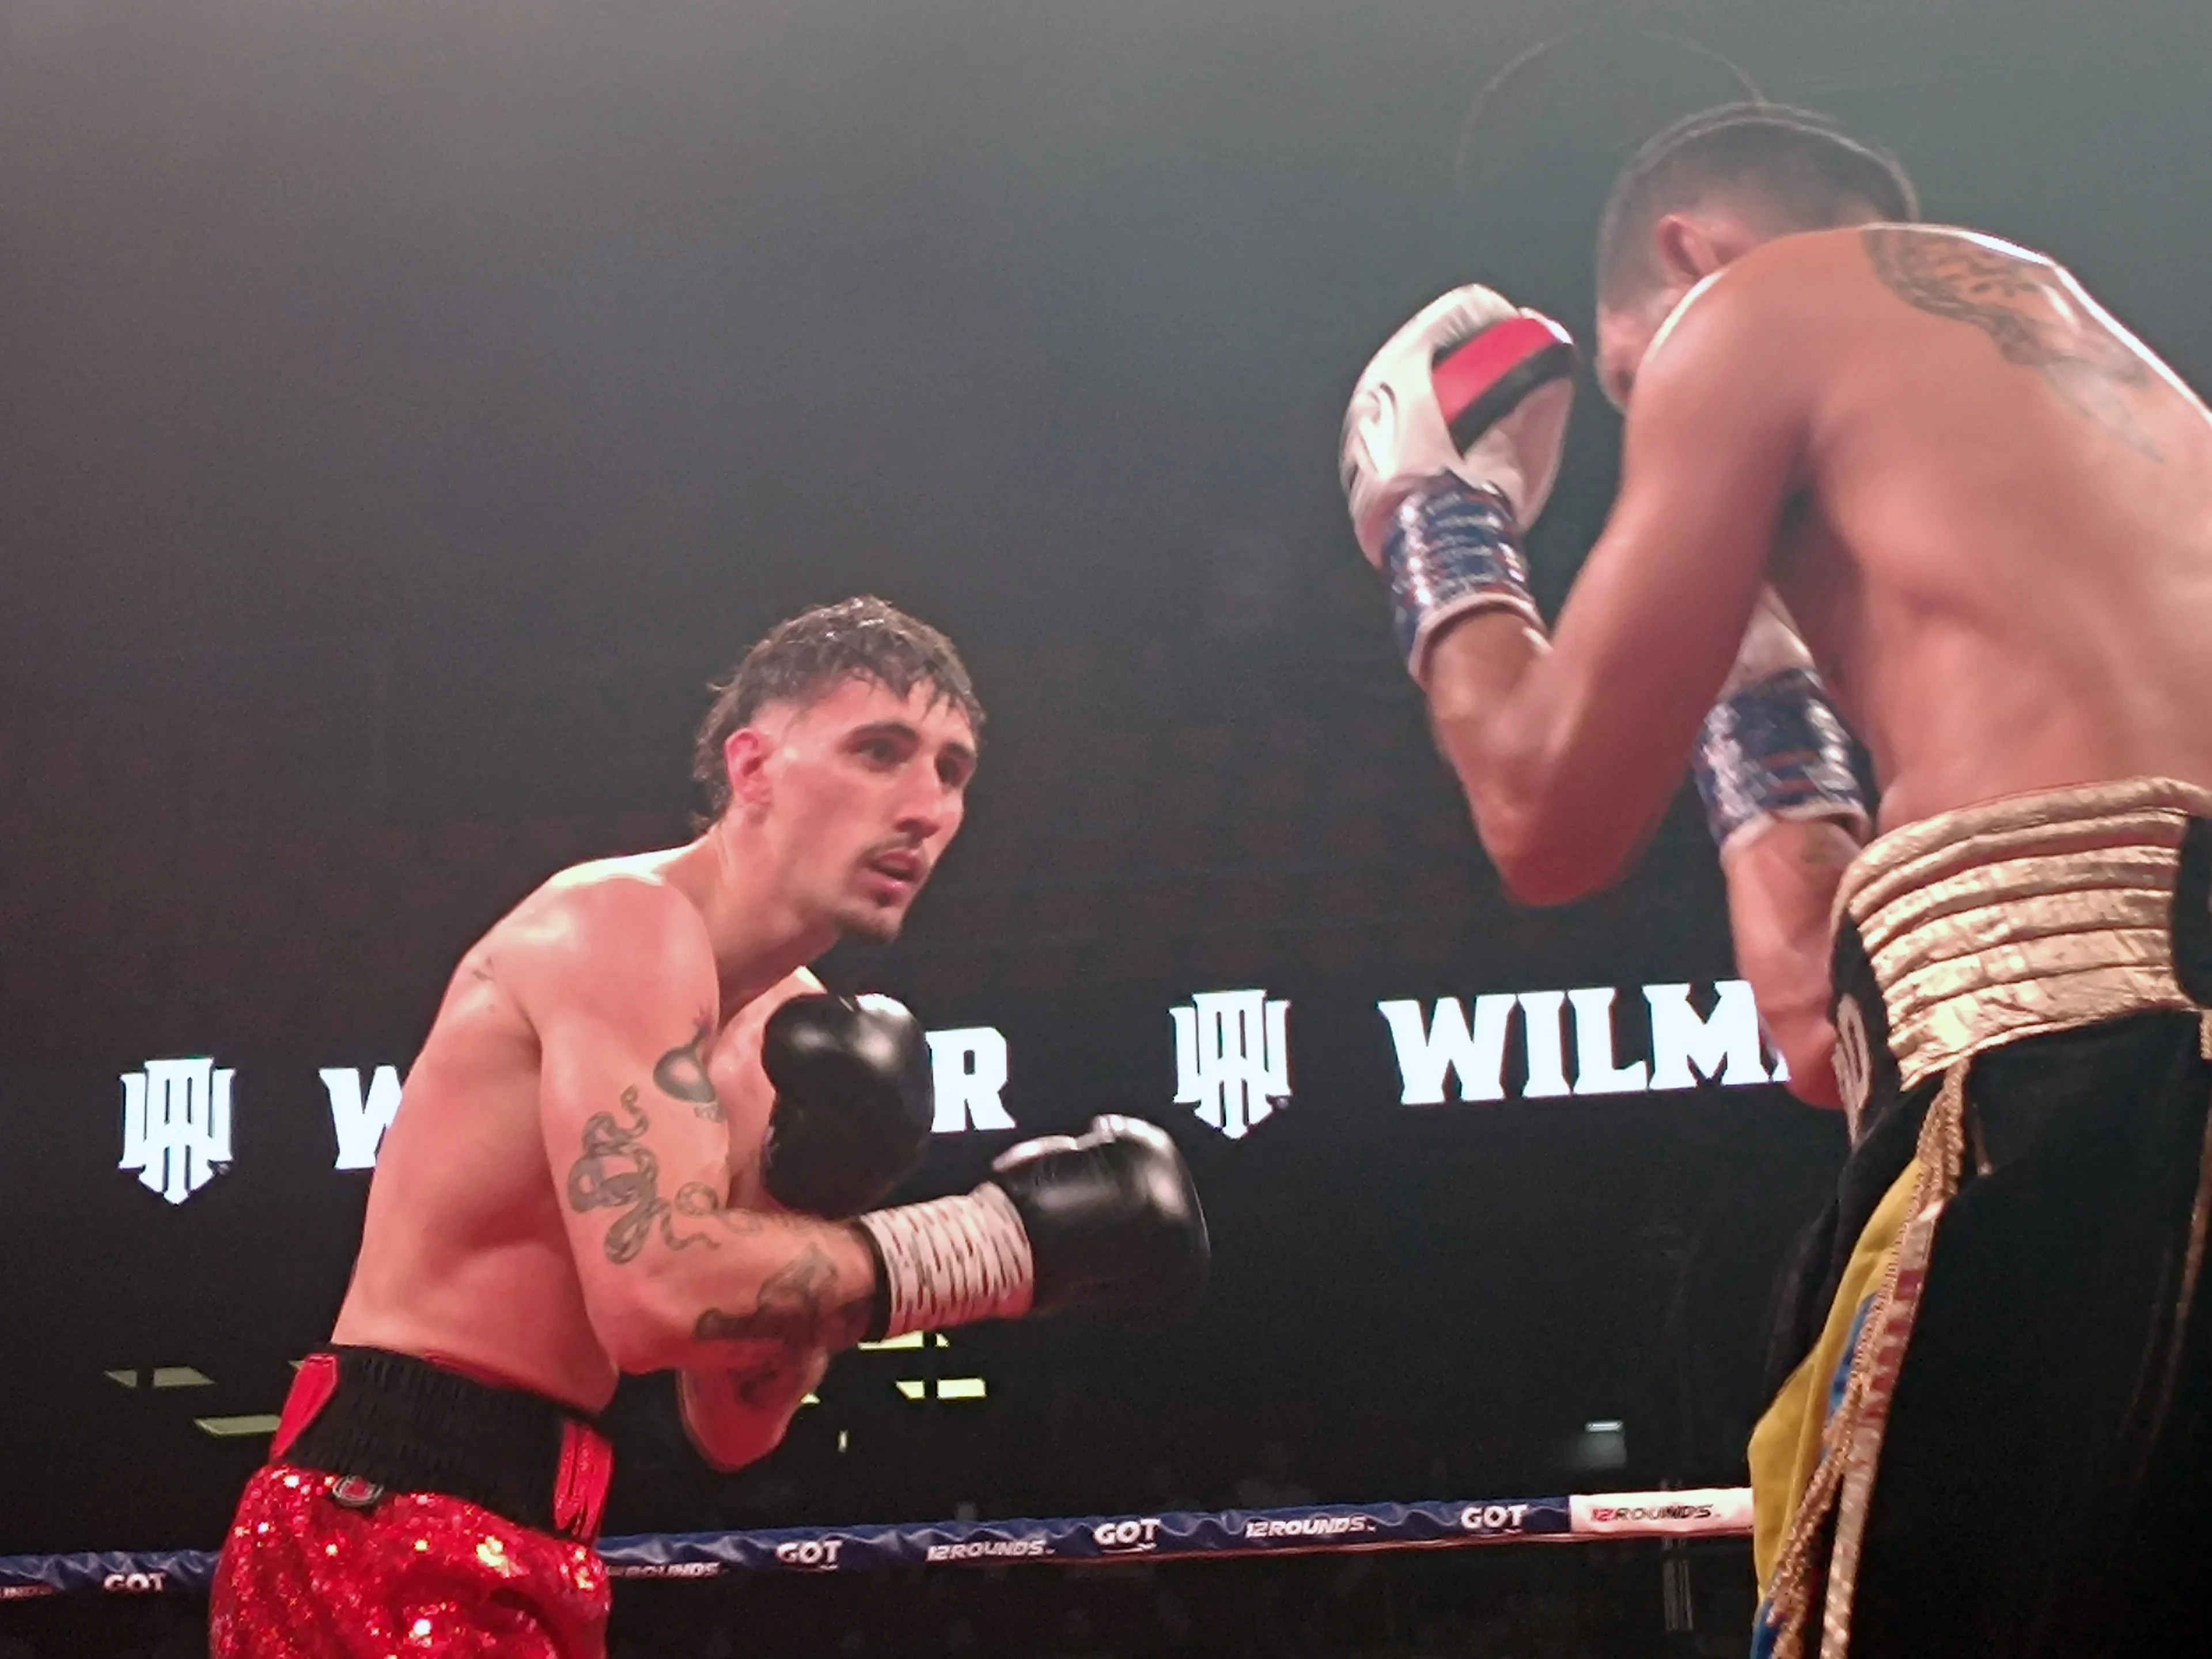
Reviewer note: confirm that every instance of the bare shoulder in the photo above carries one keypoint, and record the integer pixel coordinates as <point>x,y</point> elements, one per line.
<point>2040,318</point>
<point>609,920</point>
<point>1758,312</point>
<point>1943,267</point>
<point>1791,284</point>
<point>2024,301</point>
<point>1754,342</point>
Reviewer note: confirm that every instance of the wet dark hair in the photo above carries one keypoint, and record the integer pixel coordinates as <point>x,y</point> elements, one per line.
<point>1803,164</point>
<point>804,659</point>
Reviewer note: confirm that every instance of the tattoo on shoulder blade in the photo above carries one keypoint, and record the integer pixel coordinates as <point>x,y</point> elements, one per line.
<point>681,1074</point>
<point>2010,299</point>
<point>618,1171</point>
<point>798,1308</point>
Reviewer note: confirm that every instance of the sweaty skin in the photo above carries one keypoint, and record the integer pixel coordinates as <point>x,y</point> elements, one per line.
<point>1987,505</point>
<point>570,1189</point>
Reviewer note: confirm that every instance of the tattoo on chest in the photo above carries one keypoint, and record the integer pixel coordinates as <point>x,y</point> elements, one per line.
<point>681,1074</point>
<point>2025,312</point>
<point>618,1171</point>
<point>798,1308</point>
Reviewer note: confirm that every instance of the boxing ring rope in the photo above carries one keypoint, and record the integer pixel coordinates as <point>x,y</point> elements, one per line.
<point>1708,1512</point>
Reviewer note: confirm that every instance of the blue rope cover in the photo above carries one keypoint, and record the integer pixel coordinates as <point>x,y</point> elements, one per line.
<point>1072,1539</point>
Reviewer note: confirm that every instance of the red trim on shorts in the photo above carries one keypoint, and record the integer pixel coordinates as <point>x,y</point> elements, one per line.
<point>1469,370</point>
<point>316,1381</point>
<point>579,1491</point>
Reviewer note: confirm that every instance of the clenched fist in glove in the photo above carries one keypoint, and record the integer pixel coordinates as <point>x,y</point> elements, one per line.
<point>854,1101</point>
<point>1108,1221</point>
<point>1449,447</point>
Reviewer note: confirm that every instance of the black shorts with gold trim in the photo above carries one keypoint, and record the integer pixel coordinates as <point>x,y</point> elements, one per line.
<point>1992,1369</point>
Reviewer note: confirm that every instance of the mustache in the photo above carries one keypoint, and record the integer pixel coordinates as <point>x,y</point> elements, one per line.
<point>905,844</point>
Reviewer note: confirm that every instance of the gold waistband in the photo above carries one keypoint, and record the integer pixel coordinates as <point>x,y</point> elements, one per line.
<point>2031,913</point>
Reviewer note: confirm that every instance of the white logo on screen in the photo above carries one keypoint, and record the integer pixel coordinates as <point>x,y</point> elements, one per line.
<point>359,1118</point>
<point>969,1069</point>
<point>1232,1059</point>
<point>1434,1050</point>
<point>176,1125</point>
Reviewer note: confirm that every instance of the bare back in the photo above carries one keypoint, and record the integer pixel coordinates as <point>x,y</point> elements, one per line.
<point>464,1255</point>
<point>2002,554</point>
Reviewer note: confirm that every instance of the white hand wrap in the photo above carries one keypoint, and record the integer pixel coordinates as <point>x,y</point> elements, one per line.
<point>949,1261</point>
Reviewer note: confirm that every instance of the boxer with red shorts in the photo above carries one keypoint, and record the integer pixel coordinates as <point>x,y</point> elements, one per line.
<point>640,1137</point>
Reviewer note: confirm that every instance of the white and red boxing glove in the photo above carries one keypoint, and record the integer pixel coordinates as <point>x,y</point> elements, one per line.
<point>1450,447</point>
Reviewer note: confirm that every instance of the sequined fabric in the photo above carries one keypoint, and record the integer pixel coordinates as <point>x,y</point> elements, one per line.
<point>2034,914</point>
<point>308,1575</point>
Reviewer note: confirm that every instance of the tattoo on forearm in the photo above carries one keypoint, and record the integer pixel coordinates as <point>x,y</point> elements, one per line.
<point>707,1203</point>
<point>799,1308</point>
<point>681,1073</point>
<point>618,1171</point>
<point>769,1384</point>
<point>2019,305</point>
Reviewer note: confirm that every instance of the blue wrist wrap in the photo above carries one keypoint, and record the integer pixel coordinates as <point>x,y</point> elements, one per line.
<point>1452,547</point>
<point>1776,749</point>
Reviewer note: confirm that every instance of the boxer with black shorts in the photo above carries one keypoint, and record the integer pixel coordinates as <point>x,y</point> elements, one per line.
<point>1914,478</point>
<point>638,1138</point>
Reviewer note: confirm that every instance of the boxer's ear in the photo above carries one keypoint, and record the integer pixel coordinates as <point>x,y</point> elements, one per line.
<point>746,754</point>
<point>1685,250</point>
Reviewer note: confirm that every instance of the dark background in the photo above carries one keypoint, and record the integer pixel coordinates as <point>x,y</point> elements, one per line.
<point>512,366</point>
<point>404,409</point>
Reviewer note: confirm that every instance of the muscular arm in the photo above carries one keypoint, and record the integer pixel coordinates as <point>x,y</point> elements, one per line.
<point>738,1415</point>
<point>1570,750</point>
<point>624,1001</point>
<point>740,1411</point>
<point>1780,887</point>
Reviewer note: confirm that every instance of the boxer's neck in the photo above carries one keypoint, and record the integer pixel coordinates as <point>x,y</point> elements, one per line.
<point>759,931</point>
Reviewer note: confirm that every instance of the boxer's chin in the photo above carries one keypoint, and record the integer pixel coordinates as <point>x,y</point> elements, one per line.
<point>872,924</point>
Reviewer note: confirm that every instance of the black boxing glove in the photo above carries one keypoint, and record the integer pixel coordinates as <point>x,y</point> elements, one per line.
<point>854,1101</point>
<point>1108,1223</point>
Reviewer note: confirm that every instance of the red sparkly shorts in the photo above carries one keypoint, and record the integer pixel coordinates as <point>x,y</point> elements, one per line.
<point>408,1509</point>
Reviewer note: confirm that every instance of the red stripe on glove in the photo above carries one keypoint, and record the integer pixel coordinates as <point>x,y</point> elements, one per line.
<point>1468,370</point>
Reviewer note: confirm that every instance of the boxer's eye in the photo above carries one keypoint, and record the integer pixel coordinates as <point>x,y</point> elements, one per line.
<point>883,749</point>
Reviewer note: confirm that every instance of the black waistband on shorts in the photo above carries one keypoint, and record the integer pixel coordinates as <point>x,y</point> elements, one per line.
<point>394,1422</point>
